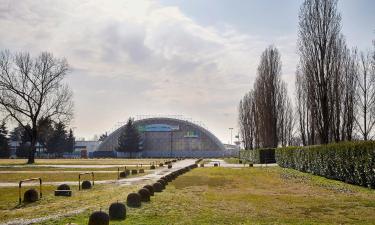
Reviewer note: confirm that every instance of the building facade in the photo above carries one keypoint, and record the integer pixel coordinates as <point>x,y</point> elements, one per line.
<point>170,137</point>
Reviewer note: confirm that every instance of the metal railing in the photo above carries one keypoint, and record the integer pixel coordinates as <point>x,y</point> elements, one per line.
<point>79,179</point>
<point>26,180</point>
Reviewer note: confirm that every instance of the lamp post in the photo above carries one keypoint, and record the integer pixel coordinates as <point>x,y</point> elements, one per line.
<point>231,129</point>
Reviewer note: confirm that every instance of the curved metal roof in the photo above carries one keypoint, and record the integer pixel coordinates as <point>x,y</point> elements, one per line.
<point>110,143</point>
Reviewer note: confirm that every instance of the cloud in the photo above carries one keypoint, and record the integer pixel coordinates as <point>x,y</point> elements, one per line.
<point>140,57</point>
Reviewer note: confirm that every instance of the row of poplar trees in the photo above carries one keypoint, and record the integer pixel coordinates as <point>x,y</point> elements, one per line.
<point>334,89</point>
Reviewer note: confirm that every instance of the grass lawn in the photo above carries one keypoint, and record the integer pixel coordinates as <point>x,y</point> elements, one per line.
<point>98,197</point>
<point>51,177</point>
<point>48,168</point>
<point>249,196</point>
<point>231,160</point>
<point>81,161</point>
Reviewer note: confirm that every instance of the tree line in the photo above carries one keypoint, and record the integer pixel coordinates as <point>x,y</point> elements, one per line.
<point>334,88</point>
<point>53,137</point>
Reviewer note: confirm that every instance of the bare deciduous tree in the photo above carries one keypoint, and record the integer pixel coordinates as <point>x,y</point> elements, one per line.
<point>32,88</point>
<point>265,113</point>
<point>319,31</point>
<point>365,97</point>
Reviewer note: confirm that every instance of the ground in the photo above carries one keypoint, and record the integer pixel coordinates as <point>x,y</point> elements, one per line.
<point>268,195</point>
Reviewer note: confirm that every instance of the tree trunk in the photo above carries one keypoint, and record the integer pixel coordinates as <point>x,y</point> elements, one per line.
<point>34,134</point>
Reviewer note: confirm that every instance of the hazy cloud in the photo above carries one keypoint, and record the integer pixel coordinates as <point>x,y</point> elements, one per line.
<point>140,57</point>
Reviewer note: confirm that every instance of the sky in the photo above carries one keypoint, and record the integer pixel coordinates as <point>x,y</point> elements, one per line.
<point>193,58</point>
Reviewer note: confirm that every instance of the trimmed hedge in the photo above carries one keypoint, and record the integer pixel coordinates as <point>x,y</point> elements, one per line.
<point>260,155</point>
<point>351,162</point>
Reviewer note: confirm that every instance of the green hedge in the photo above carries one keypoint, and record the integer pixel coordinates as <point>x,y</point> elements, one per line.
<point>261,155</point>
<point>351,162</point>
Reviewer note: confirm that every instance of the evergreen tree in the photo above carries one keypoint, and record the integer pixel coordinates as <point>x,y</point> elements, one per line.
<point>45,131</point>
<point>24,148</point>
<point>129,139</point>
<point>70,142</point>
<point>57,142</point>
<point>4,144</point>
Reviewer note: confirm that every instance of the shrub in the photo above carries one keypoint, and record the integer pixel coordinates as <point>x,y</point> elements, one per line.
<point>168,178</point>
<point>133,200</point>
<point>123,174</point>
<point>117,211</point>
<point>63,187</point>
<point>134,172</point>
<point>163,182</point>
<point>150,189</point>
<point>30,195</point>
<point>141,170</point>
<point>202,164</point>
<point>145,194</point>
<point>161,164</point>
<point>86,184</point>
<point>216,165</point>
<point>261,155</point>
<point>99,218</point>
<point>152,167</point>
<point>169,166</point>
<point>158,187</point>
<point>127,172</point>
<point>351,162</point>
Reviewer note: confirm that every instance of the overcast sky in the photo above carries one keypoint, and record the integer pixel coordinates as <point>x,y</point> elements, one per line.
<point>195,58</point>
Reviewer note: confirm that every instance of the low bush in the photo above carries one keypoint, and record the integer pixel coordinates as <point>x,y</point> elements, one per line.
<point>123,174</point>
<point>30,195</point>
<point>152,167</point>
<point>86,184</point>
<point>145,194</point>
<point>63,187</point>
<point>202,164</point>
<point>127,172</point>
<point>117,211</point>
<point>158,187</point>
<point>141,170</point>
<point>99,218</point>
<point>169,166</point>
<point>150,189</point>
<point>161,164</point>
<point>216,164</point>
<point>256,156</point>
<point>351,162</point>
<point>133,200</point>
<point>134,172</point>
<point>162,182</point>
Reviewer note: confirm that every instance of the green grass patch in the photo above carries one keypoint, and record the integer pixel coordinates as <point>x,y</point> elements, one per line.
<point>231,160</point>
<point>251,196</point>
<point>57,177</point>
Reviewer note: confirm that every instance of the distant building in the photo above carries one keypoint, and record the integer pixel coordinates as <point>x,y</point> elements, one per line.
<point>85,148</point>
<point>169,137</point>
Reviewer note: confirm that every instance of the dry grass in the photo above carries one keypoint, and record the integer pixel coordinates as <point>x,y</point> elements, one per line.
<point>81,161</point>
<point>252,196</point>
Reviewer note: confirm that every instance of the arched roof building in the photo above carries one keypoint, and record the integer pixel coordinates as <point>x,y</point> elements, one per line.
<point>169,137</point>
